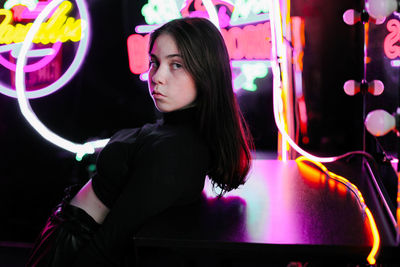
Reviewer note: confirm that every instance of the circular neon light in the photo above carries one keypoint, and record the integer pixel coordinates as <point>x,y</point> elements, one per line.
<point>23,102</point>
<point>73,68</point>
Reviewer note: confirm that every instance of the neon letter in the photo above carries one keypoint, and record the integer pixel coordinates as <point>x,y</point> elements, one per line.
<point>138,53</point>
<point>58,28</point>
<point>391,50</point>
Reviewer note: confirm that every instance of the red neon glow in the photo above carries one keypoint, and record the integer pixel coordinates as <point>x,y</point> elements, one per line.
<point>138,53</point>
<point>391,49</point>
<point>250,42</point>
<point>302,114</point>
<point>17,12</point>
<point>298,36</point>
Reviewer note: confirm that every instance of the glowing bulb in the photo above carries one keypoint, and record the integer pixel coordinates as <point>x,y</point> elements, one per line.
<point>380,9</point>
<point>379,122</point>
<point>350,17</point>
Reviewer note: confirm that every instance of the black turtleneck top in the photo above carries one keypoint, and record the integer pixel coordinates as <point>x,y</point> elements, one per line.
<point>142,172</point>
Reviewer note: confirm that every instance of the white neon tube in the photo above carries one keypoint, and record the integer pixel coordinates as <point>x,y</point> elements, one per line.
<point>30,116</point>
<point>278,55</point>
<point>211,12</point>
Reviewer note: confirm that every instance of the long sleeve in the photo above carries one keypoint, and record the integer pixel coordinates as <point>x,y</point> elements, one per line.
<point>170,171</point>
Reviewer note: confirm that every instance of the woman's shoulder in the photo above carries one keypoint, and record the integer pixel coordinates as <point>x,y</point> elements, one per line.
<point>180,148</point>
<point>129,135</point>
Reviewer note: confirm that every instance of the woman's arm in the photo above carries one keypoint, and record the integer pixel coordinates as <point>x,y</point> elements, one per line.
<point>169,172</point>
<point>87,200</point>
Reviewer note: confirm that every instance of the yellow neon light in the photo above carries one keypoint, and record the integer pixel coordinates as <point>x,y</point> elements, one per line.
<point>375,233</point>
<point>59,27</point>
<point>280,23</point>
<point>398,201</point>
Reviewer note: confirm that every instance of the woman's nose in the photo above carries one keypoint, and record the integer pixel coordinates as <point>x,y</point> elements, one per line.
<point>158,76</point>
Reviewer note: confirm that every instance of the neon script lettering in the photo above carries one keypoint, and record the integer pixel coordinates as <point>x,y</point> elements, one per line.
<point>58,28</point>
<point>391,49</point>
<point>251,42</point>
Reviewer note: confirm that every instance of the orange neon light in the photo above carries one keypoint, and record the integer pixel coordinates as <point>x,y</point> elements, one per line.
<point>318,177</point>
<point>59,27</point>
<point>375,233</point>
<point>313,175</point>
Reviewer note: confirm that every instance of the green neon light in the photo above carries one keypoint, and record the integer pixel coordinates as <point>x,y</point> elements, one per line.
<point>250,71</point>
<point>246,9</point>
<point>161,11</point>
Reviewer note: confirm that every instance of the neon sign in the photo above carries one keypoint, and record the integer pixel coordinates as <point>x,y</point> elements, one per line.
<point>44,64</point>
<point>29,4</point>
<point>59,27</point>
<point>249,11</point>
<point>245,78</point>
<point>390,46</point>
<point>391,49</point>
<point>244,26</point>
<point>157,12</point>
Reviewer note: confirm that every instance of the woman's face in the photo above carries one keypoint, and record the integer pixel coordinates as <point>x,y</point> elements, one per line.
<point>170,85</point>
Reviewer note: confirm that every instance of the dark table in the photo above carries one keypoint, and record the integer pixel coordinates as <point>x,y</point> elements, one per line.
<point>286,211</point>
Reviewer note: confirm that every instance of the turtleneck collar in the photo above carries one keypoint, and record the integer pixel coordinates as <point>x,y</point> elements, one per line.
<point>180,116</point>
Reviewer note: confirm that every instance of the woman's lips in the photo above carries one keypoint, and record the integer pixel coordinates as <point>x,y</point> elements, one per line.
<point>157,94</point>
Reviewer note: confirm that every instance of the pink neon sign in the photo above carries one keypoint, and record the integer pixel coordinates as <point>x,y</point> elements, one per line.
<point>46,74</point>
<point>248,43</point>
<point>391,49</point>
<point>245,43</point>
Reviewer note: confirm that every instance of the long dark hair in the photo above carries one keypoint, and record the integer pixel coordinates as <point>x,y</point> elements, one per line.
<point>221,122</point>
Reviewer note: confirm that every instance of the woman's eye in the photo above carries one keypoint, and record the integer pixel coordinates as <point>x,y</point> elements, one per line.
<point>176,66</point>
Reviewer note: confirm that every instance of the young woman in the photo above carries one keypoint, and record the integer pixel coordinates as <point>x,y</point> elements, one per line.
<point>144,171</point>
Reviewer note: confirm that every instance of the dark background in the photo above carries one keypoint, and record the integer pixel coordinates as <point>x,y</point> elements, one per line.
<point>105,96</point>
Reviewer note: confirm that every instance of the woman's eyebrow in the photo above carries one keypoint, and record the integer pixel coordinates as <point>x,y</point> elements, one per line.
<point>168,56</point>
<point>174,55</point>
